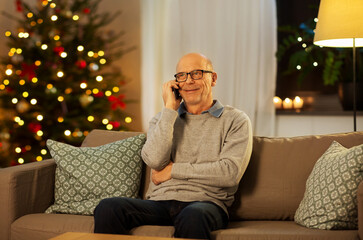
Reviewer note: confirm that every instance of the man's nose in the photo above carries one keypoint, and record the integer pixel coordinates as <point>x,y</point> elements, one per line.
<point>189,79</point>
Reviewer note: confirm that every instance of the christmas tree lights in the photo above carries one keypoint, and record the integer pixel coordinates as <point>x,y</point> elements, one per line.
<point>56,79</point>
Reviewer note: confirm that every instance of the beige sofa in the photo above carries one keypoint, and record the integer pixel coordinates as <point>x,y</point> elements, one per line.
<point>268,196</point>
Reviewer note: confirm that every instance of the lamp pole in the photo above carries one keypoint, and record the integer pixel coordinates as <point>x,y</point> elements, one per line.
<point>354,89</point>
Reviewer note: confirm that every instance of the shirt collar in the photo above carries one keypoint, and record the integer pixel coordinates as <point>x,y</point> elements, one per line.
<point>216,110</point>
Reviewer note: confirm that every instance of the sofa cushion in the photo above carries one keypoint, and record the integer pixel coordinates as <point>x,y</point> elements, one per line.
<point>274,183</point>
<point>330,199</point>
<point>86,175</point>
<point>46,226</point>
<point>279,230</point>
<point>42,226</point>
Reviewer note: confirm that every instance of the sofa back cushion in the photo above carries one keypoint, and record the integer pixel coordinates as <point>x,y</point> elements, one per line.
<point>274,182</point>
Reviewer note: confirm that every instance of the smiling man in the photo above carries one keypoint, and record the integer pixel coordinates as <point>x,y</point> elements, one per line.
<point>197,149</point>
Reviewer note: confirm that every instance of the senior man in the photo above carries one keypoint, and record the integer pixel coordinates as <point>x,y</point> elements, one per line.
<point>198,150</point>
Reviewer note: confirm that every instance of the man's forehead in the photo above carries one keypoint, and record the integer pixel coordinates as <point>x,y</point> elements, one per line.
<point>189,64</point>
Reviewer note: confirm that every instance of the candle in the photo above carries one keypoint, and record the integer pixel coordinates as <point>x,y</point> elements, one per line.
<point>287,103</point>
<point>277,102</point>
<point>298,102</point>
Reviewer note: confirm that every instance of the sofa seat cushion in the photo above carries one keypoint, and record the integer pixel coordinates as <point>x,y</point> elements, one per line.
<point>279,230</point>
<point>43,226</point>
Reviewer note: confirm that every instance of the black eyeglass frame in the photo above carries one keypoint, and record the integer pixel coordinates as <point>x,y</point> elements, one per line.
<point>203,71</point>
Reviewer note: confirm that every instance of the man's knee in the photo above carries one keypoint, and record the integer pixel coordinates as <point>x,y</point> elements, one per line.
<point>108,206</point>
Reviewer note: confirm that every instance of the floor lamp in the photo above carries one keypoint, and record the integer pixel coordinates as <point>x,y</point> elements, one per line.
<point>340,24</point>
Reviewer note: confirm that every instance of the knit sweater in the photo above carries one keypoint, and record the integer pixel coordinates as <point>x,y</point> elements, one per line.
<point>209,155</point>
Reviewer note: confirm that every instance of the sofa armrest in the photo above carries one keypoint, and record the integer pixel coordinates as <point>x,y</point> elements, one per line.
<point>25,189</point>
<point>360,209</point>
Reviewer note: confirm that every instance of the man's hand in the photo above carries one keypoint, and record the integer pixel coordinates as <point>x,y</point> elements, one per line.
<point>163,175</point>
<point>168,95</point>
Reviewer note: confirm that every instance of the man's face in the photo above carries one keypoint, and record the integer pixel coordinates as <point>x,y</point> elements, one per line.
<point>196,92</point>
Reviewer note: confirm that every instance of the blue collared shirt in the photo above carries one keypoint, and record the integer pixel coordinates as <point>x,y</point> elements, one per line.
<point>216,110</point>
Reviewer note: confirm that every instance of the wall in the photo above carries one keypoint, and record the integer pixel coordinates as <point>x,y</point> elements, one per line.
<point>130,64</point>
<point>299,125</point>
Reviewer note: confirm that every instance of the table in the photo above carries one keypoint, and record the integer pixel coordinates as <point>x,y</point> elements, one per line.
<point>97,236</point>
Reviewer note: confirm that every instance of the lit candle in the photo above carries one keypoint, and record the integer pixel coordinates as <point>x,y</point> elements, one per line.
<point>277,102</point>
<point>287,103</point>
<point>298,102</point>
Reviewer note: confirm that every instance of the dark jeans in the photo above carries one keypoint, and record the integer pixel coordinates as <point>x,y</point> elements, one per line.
<point>190,219</point>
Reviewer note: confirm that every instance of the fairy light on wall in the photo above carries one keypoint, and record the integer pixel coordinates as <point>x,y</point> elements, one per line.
<point>80,48</point>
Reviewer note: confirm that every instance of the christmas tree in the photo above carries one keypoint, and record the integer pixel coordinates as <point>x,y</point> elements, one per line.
<point>57,79</point>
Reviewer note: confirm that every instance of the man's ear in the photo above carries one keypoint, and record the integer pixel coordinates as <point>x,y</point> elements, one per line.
<point>214,79</point>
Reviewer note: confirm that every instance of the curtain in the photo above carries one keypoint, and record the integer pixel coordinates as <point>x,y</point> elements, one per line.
<point>240,38</point>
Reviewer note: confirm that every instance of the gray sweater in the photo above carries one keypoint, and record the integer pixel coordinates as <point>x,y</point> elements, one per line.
<point>210,155</point>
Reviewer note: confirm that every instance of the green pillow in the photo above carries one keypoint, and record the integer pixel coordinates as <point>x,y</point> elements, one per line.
<point>330,199</point>
<point>86,175</point>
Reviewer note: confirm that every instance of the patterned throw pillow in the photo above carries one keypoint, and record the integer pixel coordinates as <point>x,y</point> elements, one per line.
<point>330,199</point>
<point>86,175</point>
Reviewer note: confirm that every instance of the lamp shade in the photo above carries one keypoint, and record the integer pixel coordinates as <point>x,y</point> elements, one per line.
<point>339,21</point>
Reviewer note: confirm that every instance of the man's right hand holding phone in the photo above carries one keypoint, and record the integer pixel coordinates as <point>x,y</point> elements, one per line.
<point>169,97</point>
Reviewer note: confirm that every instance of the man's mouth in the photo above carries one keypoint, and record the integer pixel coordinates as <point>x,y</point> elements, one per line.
<point>189,90</point>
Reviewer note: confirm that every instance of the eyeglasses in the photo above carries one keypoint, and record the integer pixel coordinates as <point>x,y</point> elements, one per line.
<point>195,75</point>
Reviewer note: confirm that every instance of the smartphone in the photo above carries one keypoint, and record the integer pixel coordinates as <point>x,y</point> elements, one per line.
<point>176,94</point>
